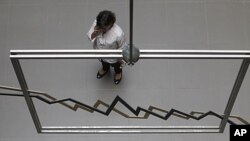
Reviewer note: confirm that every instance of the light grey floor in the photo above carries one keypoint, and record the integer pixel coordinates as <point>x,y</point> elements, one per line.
<point>186,85</point>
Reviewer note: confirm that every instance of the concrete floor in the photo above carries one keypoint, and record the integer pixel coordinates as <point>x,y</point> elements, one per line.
<point>186,85</point>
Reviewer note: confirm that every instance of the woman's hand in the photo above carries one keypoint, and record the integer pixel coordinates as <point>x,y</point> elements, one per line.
<point>96,32</point>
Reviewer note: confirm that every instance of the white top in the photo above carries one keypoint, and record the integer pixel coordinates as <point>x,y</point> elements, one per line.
<point>114,38</point>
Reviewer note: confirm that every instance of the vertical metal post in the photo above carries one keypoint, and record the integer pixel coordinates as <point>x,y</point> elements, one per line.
<point>234,93</point>
<point>131,12</point>
<point>24,87</point>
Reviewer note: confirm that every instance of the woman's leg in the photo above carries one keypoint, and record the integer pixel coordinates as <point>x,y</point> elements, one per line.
<point>117,68</point>
<point>118,73</point>
<point>105,66</point>
<point>103,70</point>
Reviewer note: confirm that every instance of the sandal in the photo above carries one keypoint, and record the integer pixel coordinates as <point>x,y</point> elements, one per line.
<point>99,76</point>
<point>117,81</point>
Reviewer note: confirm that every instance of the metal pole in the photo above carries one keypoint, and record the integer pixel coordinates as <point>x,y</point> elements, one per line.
<point>234,93</point>
<point>24,87</point>
<point>144,54</point>
<point>130,130</point>
<point>67,51</point>
<point>142,51</point>
<point>117,56</point>
<point>131,30</point>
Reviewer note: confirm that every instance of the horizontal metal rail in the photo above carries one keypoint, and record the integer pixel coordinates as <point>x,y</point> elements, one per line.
<point>150,51</point>
<point>65,51</point>
<point>67,56</point>
<point>142,51</point>
<point>144,54</point>
<point>129,129</point>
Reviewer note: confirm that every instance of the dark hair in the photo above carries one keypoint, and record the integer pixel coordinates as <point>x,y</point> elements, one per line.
<point>105,18</point>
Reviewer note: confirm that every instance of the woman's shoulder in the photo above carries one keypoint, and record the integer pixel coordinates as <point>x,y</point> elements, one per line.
<point>117,30</point>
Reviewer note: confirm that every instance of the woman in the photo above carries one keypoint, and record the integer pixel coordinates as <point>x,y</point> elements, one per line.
<point>106,34</point>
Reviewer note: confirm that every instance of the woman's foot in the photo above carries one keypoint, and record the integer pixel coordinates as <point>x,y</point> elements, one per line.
<point>118,78</point>
<point>101,73</point>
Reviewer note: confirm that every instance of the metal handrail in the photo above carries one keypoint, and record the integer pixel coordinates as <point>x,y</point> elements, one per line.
<point>144,54</point>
